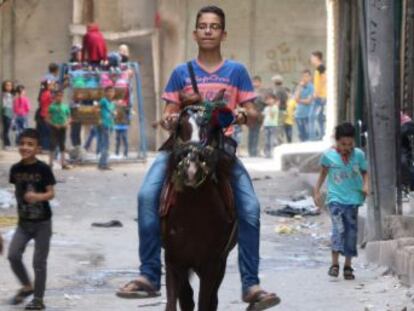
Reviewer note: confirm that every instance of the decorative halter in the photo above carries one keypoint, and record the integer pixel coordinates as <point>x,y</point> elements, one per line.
<point>197,153</point>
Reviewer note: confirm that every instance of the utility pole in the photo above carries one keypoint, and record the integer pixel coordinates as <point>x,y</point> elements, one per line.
<point>380,79</point>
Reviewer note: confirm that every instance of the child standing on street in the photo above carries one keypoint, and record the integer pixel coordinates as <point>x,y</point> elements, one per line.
<point>21,108</point>
<point>289,120</point>
<point>59,119</point>
<point>346,169</point>
<point>6,109</point>
<point>107,123</point>
<point>270,123</point>
<point>34,182</point>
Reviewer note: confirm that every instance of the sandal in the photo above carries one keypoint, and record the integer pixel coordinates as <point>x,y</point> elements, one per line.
<point>349,273</point>
<point>261,300</point>
<point>334,271</point>
<point>138,289</point>
<point>21,295</point>
<point>35,304</point>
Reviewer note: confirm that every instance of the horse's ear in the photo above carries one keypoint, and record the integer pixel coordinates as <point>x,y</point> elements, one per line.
<point>219,95</point>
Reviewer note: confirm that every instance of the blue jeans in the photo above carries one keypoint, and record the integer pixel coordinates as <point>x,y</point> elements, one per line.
<point>75,134</point>
<point>288,132</point>
<point>253,140</point>
<point>104,145</point>
<point>270,140</point>
<point>44,131</point>
<point>248,212</point>
<point>344,228</point>
<point>317,119</point>
<point>20,124</point>
<point>121,135</point>
<point>92,134</point>
<point>303,128</point>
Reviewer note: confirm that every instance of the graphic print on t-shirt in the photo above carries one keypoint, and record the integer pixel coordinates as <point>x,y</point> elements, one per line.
<point>32,178</point>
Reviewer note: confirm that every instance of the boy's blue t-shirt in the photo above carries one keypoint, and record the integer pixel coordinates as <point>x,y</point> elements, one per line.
<point>302,110</point>
<point>345,180</point>
<point>107,111</point>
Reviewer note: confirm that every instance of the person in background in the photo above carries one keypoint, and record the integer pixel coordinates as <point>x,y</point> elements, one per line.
<point>34,188</point>
<point>304,98</point>
<point>280,91</point>
<point>123,50</point>
<point>289,118</point>
<point>254,128</point>
<point>107,123</point>
<point>75,126</point>
<point>346,169</point>
<point>21,109</point>
<point>270,123</point>
<point>6,109</point>
<point>45,100</point>
<point>75,54</point>
<point>94,50</point>
<point>317,112</point>
<point>59,120</point>
<point>121,129</point>
<point>53,74</point>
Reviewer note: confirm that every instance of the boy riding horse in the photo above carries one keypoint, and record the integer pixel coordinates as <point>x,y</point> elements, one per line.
<point>213,74</point>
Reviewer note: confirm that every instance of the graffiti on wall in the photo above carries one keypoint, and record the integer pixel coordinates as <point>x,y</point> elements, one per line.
<point>285,59</point>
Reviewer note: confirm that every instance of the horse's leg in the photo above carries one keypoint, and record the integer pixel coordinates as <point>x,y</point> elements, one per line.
<point>186,298</point>
<point>173,284</point>
<point>211,277</point>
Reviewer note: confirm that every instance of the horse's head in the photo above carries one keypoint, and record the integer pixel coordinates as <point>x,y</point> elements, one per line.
<point>197,141</point>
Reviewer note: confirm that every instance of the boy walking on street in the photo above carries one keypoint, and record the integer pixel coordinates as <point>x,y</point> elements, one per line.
<point>34,182</point>
<point>59,119</point>
<point>107,123</point>
<point>346,169</point>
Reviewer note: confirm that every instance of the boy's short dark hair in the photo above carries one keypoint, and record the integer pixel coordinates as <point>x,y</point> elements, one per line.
<point>318,54</point>
<point>59,92</point>
<point>344,130</point>
<point>53,67</point>
<point>29,133</point>
<point>215,10</point>
<point>110,87</point>
<point>257,78</point>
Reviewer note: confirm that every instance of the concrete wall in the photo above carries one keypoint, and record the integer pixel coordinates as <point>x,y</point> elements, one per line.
<point>35,33</point>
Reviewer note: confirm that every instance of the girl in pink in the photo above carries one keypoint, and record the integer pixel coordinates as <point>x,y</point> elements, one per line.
<point>21,108</point>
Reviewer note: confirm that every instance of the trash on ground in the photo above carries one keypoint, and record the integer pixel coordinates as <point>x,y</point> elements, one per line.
<point>6,199</point>
<point>285,229</point>
<point>305,207</point>
<point>8,221</point>
<point>109,224</point>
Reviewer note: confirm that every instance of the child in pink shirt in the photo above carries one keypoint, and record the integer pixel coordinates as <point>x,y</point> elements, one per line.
<point>21,108</point>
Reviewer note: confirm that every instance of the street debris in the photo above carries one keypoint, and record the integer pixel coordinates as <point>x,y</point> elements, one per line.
<point>8,221</point>
<point>109,224</point>
<point>6,199</point>
<point>303,207</point>
<point>285,229</point>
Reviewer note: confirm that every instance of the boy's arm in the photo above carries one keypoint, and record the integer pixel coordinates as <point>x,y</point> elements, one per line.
<point>307,101</point>
<point>317,190</point>
<point>365,187</point>
<point>33,197</point>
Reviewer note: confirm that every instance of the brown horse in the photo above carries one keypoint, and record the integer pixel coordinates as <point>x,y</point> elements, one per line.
<point>198,214</point>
